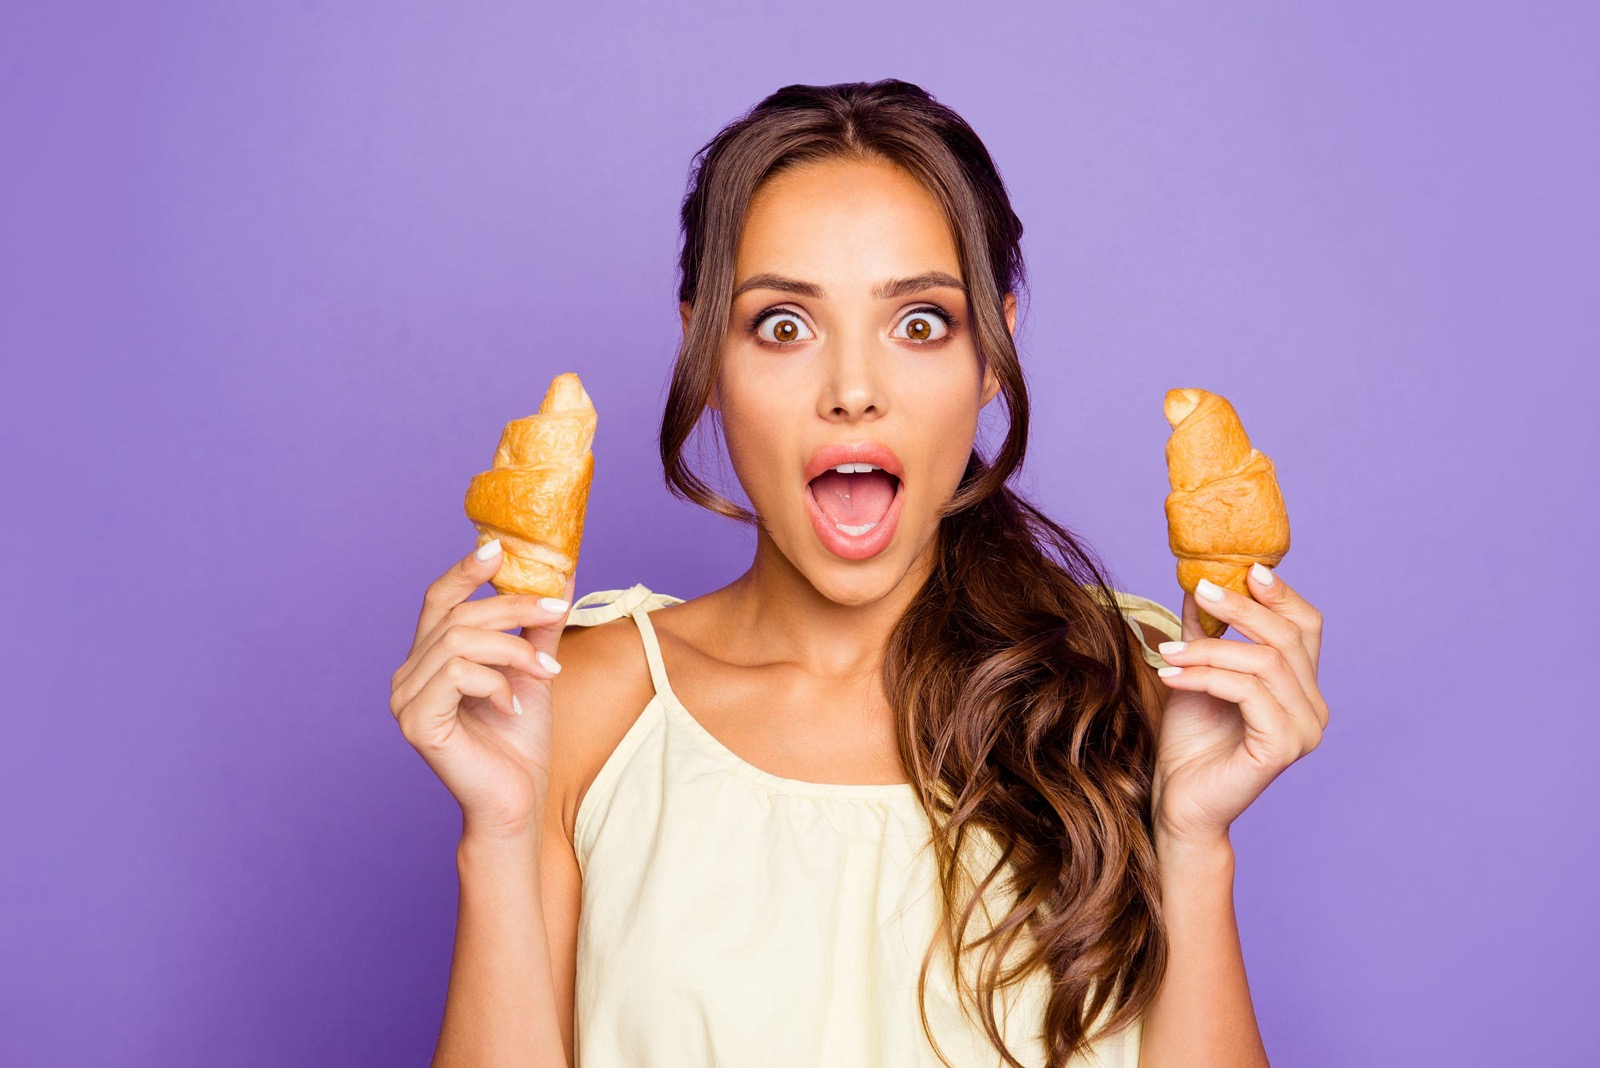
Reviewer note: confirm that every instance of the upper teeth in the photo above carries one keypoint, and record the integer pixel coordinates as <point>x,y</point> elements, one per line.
<point>856,469</point>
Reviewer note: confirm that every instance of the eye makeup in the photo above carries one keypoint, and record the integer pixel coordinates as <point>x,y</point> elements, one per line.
<point>950,321</point>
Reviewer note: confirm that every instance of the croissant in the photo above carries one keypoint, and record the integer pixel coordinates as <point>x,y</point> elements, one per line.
<point>534,497</point>
<point>1225,511</point>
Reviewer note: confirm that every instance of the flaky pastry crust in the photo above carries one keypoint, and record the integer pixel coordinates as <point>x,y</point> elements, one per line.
<point>534,497</point>
<point>1225,511</point>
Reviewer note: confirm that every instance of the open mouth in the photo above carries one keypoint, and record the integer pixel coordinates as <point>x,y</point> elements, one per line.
<point>855,502</point>
<point>855,510</point>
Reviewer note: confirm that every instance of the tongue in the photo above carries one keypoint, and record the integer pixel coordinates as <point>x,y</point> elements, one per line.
<point>853,499</point>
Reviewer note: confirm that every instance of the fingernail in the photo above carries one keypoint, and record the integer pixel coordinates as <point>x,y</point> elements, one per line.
<point>1172,647</point>
<point>1261,574</point>
<point>1208,591</point>
<point>549,662</point>
<point>516,705</point>
<point>552,604</point>
<point>488,549</point>
<point>1168,671</point>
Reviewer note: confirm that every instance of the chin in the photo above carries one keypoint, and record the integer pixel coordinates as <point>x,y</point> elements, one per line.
<point>854,583</point>
<point>855,587</point>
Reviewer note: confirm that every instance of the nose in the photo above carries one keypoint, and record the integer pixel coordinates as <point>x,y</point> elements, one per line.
<point>852,388</point>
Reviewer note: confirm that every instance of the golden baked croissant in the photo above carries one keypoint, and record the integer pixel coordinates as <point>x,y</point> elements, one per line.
<point>534,497</point>
<point>1225,511</point>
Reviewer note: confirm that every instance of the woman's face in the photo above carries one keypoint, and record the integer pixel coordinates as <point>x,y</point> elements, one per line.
<point>818,356</point>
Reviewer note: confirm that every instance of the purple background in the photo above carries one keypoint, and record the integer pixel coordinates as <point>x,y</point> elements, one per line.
<point>273,279</point>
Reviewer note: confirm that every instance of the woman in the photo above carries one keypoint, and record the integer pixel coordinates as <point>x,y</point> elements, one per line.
<point>933,803</point>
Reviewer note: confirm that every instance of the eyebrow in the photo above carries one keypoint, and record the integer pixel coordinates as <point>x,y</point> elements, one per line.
<point>887,290</point>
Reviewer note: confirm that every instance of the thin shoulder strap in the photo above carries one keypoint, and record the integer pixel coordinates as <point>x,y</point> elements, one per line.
<point>652,650</point>
<point>1135,610</point>
<point>602,606</point>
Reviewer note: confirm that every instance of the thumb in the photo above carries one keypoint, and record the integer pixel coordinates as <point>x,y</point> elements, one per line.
<point>1191,618</point>
<point>546,637</point>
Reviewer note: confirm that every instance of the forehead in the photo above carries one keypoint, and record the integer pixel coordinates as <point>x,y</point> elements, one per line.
<point>850,223</point>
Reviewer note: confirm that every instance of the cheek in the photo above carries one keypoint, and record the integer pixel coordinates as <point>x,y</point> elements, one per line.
<point>947,421</point>
<point>950,459</point>
<point>753,429</point>
<point>748,391</point>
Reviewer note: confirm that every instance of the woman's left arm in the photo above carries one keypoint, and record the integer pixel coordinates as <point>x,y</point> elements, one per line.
<point>1240,713</point>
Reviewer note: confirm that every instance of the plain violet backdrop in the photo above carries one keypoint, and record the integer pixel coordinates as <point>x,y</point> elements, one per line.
<point>275,275</point>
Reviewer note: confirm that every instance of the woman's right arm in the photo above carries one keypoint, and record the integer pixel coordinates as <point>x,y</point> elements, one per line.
<point>504,1006</point>
<point>456,698</point>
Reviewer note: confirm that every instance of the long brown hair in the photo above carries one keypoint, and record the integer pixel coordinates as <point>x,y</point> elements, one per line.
<point>1020,715</point>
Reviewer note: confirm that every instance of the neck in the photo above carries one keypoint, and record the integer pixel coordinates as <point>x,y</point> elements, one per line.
<point>838,631</point>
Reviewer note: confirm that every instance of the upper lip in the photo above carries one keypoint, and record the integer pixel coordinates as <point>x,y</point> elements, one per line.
<point>854,452</point>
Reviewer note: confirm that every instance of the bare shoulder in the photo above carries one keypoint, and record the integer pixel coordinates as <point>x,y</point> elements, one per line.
<point>603,685</point>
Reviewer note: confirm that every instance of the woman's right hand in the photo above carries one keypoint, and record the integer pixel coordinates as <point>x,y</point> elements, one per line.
<point>455,697</point>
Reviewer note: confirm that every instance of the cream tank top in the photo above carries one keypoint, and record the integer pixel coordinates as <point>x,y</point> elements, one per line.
<point>735,918</point>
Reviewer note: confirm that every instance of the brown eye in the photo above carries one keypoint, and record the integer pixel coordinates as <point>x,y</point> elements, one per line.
<point>786,327</point>
<point>926,324</point>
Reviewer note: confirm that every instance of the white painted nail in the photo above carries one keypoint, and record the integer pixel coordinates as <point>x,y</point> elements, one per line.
<point>549,662</point>
<point>1208,591</point>
<point>1168,671</point>
<point>516,705</point>
<point>1262,574</point>
<point>552,604</point>
<point>1172,647</point>
<point>488,549</point>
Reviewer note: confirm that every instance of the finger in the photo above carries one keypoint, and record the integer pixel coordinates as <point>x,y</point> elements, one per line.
<point>488,647</point>
<point>1251,619</point>
<point>1191,628</point>
<point>1262,624</point>
<point>455,586</point>
<point>428,715</point>
<point>546,636</point>
<point>1272,737</point>
<point>503,611</point>
<point>1265,663</point>
<point>499,612</point>
<point>1268,588</point>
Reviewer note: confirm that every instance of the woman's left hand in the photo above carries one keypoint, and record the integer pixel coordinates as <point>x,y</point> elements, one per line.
<point>1243,711</point>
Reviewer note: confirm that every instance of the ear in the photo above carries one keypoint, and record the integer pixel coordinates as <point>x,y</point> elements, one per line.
<point>683,313</point>
<point>991,384</point>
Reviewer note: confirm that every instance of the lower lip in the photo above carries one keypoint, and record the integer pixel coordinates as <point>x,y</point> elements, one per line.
<point>857,546</point>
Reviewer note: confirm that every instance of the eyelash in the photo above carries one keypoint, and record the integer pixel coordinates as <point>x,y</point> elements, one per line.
<point>754,325</point>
